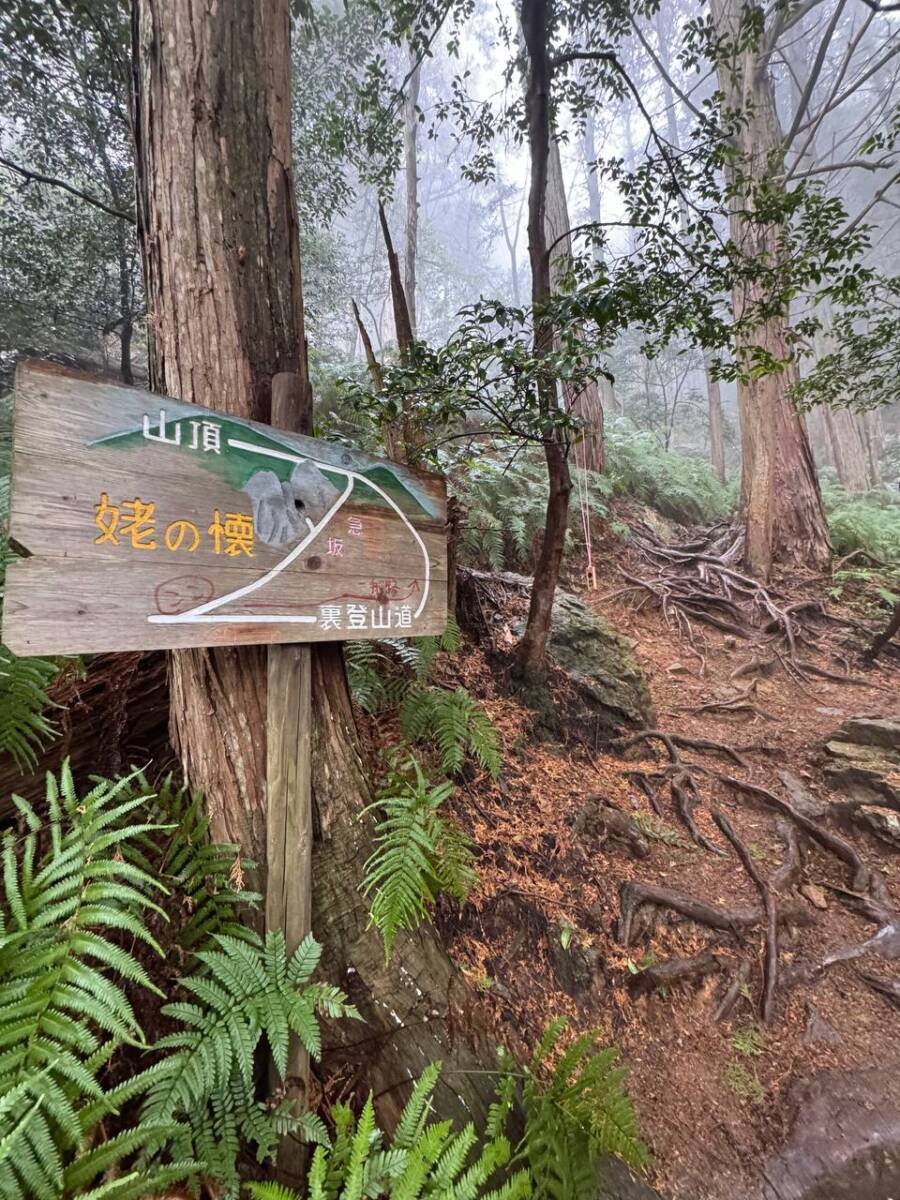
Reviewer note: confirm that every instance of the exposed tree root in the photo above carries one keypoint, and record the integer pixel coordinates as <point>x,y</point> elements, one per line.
<point>733,992</point>
<point>674,970</point>
<point>633,895</point>
<point>788,874</point>
<point>698,583</point>
<point>864,880</point>
<point>885,987</point>
<point>770,969</point>
<point>687,797</point>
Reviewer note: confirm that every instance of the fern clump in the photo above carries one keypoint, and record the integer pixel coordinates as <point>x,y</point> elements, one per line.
<point>78,884</point>
<point>419,852</point>
<point>576,1111</point>
<point>866,521</point>
<point>204,1083</point>
<point>424,1158</point>
<point>455,723</point>
<point>681,488</point>
<point>207,877</point>
<point>381,672</point>
<point>63,1007</point>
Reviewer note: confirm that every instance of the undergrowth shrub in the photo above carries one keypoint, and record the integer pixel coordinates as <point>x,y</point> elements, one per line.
<point>684,489</point>
<point>395,673</point>
<point>575,1107</point>
<point>868,521</point>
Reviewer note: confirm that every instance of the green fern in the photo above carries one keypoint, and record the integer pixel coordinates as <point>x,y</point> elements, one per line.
<point>73,886</point>
<point>419,852</point>
<point>205,1082</point>
<point>455,723</point>
<point>24,698</point>
<point>381,672</point>
<point>62,1011</point>
<point>424,1158</point>
<point>206,876</point>
<point>576,1110</point>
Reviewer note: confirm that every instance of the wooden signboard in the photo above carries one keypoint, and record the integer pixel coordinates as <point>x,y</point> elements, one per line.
<point>153,524</point>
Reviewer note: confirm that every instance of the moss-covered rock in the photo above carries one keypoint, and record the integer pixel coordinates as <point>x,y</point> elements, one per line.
<point>610,684</point>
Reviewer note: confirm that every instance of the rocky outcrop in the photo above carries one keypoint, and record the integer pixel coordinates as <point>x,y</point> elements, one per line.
<point>610,685</point>
<point>865,765</point>
<point>845,1141</point>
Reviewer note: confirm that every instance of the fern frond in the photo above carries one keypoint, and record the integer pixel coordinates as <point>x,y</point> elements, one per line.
<point>418,851</point>
<point>24,699</point>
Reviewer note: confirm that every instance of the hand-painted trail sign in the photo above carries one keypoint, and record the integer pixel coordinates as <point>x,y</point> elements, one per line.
<point>153,524</point>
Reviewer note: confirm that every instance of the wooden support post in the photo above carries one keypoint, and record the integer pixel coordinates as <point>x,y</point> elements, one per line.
<point>289,799</point>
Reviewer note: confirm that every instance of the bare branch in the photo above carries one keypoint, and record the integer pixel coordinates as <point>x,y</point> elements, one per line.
<point>814,72</point>
<point>38,177</point>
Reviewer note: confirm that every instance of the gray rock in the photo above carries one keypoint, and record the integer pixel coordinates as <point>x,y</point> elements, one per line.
<point>611,685</point>
<point>845,1142</point>
<point>871,731</point>
<point>865,766</point>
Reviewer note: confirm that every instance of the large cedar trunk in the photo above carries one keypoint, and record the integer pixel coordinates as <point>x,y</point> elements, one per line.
<point>221,257</point>
<point>532,648</point>
<point>781,504</point>
<point>584,402</point>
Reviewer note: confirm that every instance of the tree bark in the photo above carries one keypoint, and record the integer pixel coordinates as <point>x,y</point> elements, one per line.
<point>716,423</point>
<point>532,648</point>
<point>411,170</point>
<point>221,258</point>
<point>848,445</point>
<point>584,402</point>
<point>780,500</point>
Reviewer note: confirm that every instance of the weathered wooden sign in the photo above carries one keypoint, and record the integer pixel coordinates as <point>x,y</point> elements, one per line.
<point>150,523</point>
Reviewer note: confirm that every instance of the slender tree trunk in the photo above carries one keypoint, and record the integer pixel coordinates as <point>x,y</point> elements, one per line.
<point>584,402</point>
<point>608,398</point>
<point>532,648</point>
<point>716,423</point>
<point>713,391</point>
<point>511,237</point>
<point>873,436</point>
<point>780,499</point>
<point>221,257</point>
<point>411,165</point>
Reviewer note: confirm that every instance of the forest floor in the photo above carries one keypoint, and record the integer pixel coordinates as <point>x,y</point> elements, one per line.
<point>539,936</point>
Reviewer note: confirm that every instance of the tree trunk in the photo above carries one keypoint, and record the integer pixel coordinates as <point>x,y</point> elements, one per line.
<point>221,258</point>
<point>716,423</point>
<point>848,445</point>
<point>873,436</point>
<point>608,399</point>
<point>713,391</point>
<point>780,500</point>
<point>584,402</point>
<point>532,648</point>
<point>410,137</point>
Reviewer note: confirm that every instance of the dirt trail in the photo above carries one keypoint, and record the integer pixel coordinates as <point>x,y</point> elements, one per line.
<point>713,1097</point>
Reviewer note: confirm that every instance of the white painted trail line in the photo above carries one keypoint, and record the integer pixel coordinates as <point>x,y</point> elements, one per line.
<point>201,614</point>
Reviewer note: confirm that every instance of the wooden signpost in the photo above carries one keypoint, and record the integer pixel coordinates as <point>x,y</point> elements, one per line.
<point>153,524</point>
